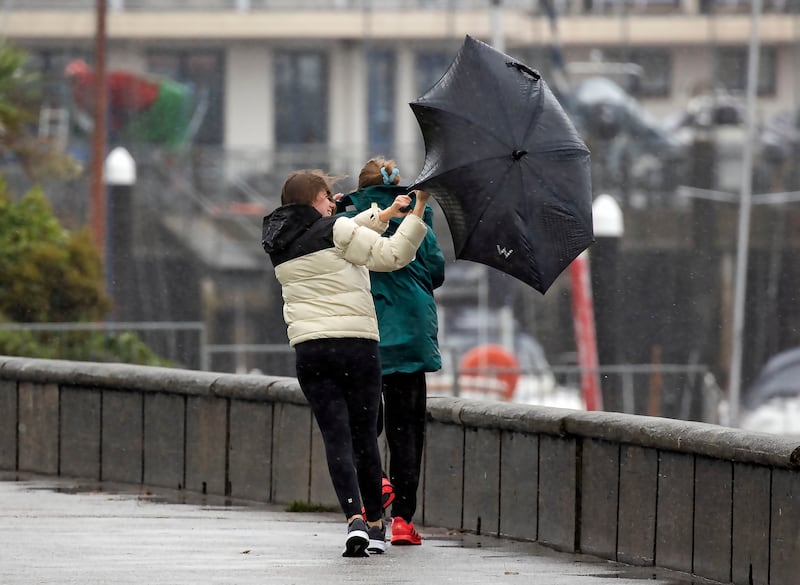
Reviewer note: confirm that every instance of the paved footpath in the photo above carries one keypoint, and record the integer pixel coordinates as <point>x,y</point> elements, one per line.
<point>61,532</point>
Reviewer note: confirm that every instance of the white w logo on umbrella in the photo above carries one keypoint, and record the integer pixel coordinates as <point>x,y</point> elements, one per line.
<point>503,251</point>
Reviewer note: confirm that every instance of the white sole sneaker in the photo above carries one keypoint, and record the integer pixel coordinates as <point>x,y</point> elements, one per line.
<point>377,539</point>
<point>357,540</point>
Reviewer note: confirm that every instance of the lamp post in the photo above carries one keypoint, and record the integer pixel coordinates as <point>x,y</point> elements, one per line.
<point>498,30</point>
<point>120,177</point>
<point>607,223</point>
<point>608,230</point>
<point>743,239</point>
<point>97,196</point>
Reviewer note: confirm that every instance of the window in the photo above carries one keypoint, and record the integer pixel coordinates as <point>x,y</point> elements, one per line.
<point>633,6</point>
<point>380,100</point>
<point>744,6</point>
<point>731,69</point>
<point>656,64</point>
<point>301,98</point>
<point>203,72</point>
<point>430,68</point>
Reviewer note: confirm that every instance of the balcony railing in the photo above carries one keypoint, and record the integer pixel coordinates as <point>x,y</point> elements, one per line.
<point>562,7</point>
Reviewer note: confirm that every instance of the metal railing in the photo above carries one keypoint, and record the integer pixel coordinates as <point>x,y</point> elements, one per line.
<point>680,391</point>
<point>271,359</point>
<point>563,7</point>
<point>178,342</point>
<point>257,5</point>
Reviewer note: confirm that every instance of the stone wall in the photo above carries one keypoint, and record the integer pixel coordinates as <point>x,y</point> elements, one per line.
<point>702,499</point>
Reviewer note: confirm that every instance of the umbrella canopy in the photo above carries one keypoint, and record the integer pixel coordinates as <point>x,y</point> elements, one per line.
<point>780,377</point>
<point>507,166</point>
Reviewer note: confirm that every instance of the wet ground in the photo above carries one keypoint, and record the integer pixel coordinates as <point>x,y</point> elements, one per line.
<point>60,531</point>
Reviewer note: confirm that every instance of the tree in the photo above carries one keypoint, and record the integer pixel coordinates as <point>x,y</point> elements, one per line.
<point>48,273</point>
<point>52,275</point>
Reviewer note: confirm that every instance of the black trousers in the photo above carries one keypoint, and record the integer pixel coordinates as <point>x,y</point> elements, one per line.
<point>341,379</point>
<point>405,399</point>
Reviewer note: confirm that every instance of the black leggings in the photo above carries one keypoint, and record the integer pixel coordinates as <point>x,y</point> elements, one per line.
<point>340,378</point>
<point>404,408</point>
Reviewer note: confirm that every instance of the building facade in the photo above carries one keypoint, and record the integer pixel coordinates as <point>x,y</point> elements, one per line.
<point>327,82</point>
<point>282,84</point>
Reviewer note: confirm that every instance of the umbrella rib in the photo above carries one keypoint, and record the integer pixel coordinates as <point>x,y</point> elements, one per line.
<point>537,109</point>
<point>469,123</point>
<point>577,145</point>
<point>579,149</point>
<point>498,92</point>
<point>467,164</point>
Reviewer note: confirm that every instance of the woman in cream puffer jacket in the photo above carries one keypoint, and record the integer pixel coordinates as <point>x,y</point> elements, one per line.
<point>323,264</point>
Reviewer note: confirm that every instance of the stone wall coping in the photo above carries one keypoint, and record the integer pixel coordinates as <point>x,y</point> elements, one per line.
<point>666,434</point>
<point>650,432</point>
<point>152,379</point>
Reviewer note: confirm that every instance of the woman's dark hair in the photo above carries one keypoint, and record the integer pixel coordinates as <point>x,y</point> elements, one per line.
<point>371,172</point>
<point>303,186</point>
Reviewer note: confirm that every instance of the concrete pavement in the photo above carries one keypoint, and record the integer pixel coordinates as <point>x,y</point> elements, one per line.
<point>61,531</point>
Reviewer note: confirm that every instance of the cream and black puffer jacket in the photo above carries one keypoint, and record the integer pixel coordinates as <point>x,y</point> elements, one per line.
<point>323,266</point>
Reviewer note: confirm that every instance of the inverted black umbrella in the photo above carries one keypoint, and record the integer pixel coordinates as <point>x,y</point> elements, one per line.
<point>507,166</point>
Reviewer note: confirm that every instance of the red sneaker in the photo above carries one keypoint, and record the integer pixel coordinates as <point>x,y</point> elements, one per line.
<point>404,533</point>
<point>387,490</point>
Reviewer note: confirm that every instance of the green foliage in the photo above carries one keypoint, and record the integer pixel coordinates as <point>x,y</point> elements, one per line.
<point>48,273</point>
<point>51,275</point>
<point>17,93</point>
<point>94,346</point>
<point>300,506</point>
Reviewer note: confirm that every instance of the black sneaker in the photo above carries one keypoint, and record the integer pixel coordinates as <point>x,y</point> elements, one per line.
<point>357,539</point>
<point>377,539</point>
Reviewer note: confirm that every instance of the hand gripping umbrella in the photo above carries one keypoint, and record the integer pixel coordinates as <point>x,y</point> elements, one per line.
<point>507,166</point>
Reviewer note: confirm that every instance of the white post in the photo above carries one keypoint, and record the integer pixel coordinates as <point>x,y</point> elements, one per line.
<point>119,168</point>
<point>743,241</point>
<point>609,228</point>
<point>498,34</point>
<point>119,171</point>
<point>607,217</point>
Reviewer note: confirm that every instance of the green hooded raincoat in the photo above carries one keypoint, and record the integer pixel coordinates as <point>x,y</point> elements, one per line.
<point>404,301</point>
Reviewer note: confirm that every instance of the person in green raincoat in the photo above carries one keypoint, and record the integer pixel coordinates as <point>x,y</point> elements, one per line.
<point>409,347</point>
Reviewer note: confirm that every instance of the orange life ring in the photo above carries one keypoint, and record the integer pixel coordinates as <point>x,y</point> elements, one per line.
<point>492,361</point>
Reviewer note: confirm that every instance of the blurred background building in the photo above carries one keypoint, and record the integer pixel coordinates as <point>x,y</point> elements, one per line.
<point>266,86</point>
